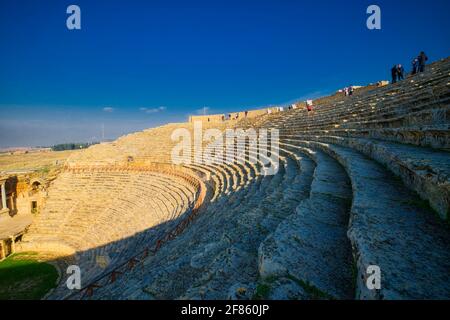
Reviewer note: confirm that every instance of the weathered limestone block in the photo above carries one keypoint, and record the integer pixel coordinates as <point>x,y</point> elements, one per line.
<point>311,245</point>
<point>408,243</point>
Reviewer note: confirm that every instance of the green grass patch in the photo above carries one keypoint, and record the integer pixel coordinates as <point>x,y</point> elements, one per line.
<point>262,291</point>
<point>297,239</point>
<point>420,203</point>
<point>24,277</point>
<point>44,170</point>
<point>261,229</point>
<point>354,270</point>
<point>314,292</point>
<point>425,205</point>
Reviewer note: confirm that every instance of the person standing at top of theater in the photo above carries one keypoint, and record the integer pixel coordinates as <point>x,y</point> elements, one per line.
<point>415,66</point>
<point>309,105</point>
<point>394,74</point>
<point>400,72</point>
<point>422,60</point>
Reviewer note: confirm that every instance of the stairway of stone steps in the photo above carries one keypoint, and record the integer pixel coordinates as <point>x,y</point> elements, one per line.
<point>309,256</point>
<point>429,101</point>
<point>126,208</point>
<point>84,208</point>
<point>424,170</point>
<point>149,146</point>
<point>202,169</point>
<point>389,229</point>
<point>361,181</point>
<point>431,136</point>
<point>431,112</point>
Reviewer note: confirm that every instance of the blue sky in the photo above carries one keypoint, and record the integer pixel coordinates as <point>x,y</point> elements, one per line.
<point>137,64</point>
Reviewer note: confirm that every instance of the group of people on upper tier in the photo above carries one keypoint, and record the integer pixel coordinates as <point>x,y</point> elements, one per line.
<point>348,91</point>
<point>398,73</point>
<point>418,65</point>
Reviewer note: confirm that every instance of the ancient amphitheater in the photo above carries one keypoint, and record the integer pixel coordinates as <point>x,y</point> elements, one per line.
<point>364,180</point>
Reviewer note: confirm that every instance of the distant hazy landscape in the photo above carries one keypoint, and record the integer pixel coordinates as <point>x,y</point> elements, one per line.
<point>33,160</point>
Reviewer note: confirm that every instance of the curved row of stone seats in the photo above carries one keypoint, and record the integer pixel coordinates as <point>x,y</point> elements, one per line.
<point>251,229</point>
<point>240,176</point>
<point>249,209</point>
<point>70,187</point>
<point>276,197</point>
<point>408,163</point>
<point>145,241</point>
<point>148,146</point>
<point>223,243</point>
<point>433,116</point>
<point>222,176</point>
<point>245,172</point>
<point>274,190</point>
<point>225,180</point>
<point>116,251</point>
<point>424,170</point>
<point>216,185</point>
<point>435,136</point>
<point>310,249</point>
<point>430,82</point>
<point>388,229</point>
<point>93,219</point>
<point>233,176</point>
<point>415,102</point>
<point>415,110</point>
<point>80,217</point>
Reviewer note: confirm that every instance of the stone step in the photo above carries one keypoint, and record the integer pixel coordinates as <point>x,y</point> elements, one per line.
<point>244,255</point>
<point>436,136</point>
<point>310,249</point>
<point>220,241</point>
<point>424,170</point>
<point>389,229</point>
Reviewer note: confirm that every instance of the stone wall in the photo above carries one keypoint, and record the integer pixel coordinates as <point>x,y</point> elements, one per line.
<point>21,192</point>
<point>208,118</point>
<point>233,116</point>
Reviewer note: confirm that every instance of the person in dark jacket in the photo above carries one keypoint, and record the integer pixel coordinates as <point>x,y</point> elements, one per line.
<point>415,66</point>
<point>394,74</point>
<point>400,72</point>
<point>422,60</point>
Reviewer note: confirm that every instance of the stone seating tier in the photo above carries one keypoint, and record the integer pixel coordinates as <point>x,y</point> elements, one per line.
<point>363,180</point>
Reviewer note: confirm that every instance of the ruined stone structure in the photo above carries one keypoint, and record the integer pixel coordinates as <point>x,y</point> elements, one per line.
<point>363,181</point>
<point>233,116</point>
<point>22,196</point>
<point>208,118</point>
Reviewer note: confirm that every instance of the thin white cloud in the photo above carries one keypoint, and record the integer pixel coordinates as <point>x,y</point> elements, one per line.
<point>311,95</point>
<point>108,109</point>
<point>203,110</point>
<point>153,110</point>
